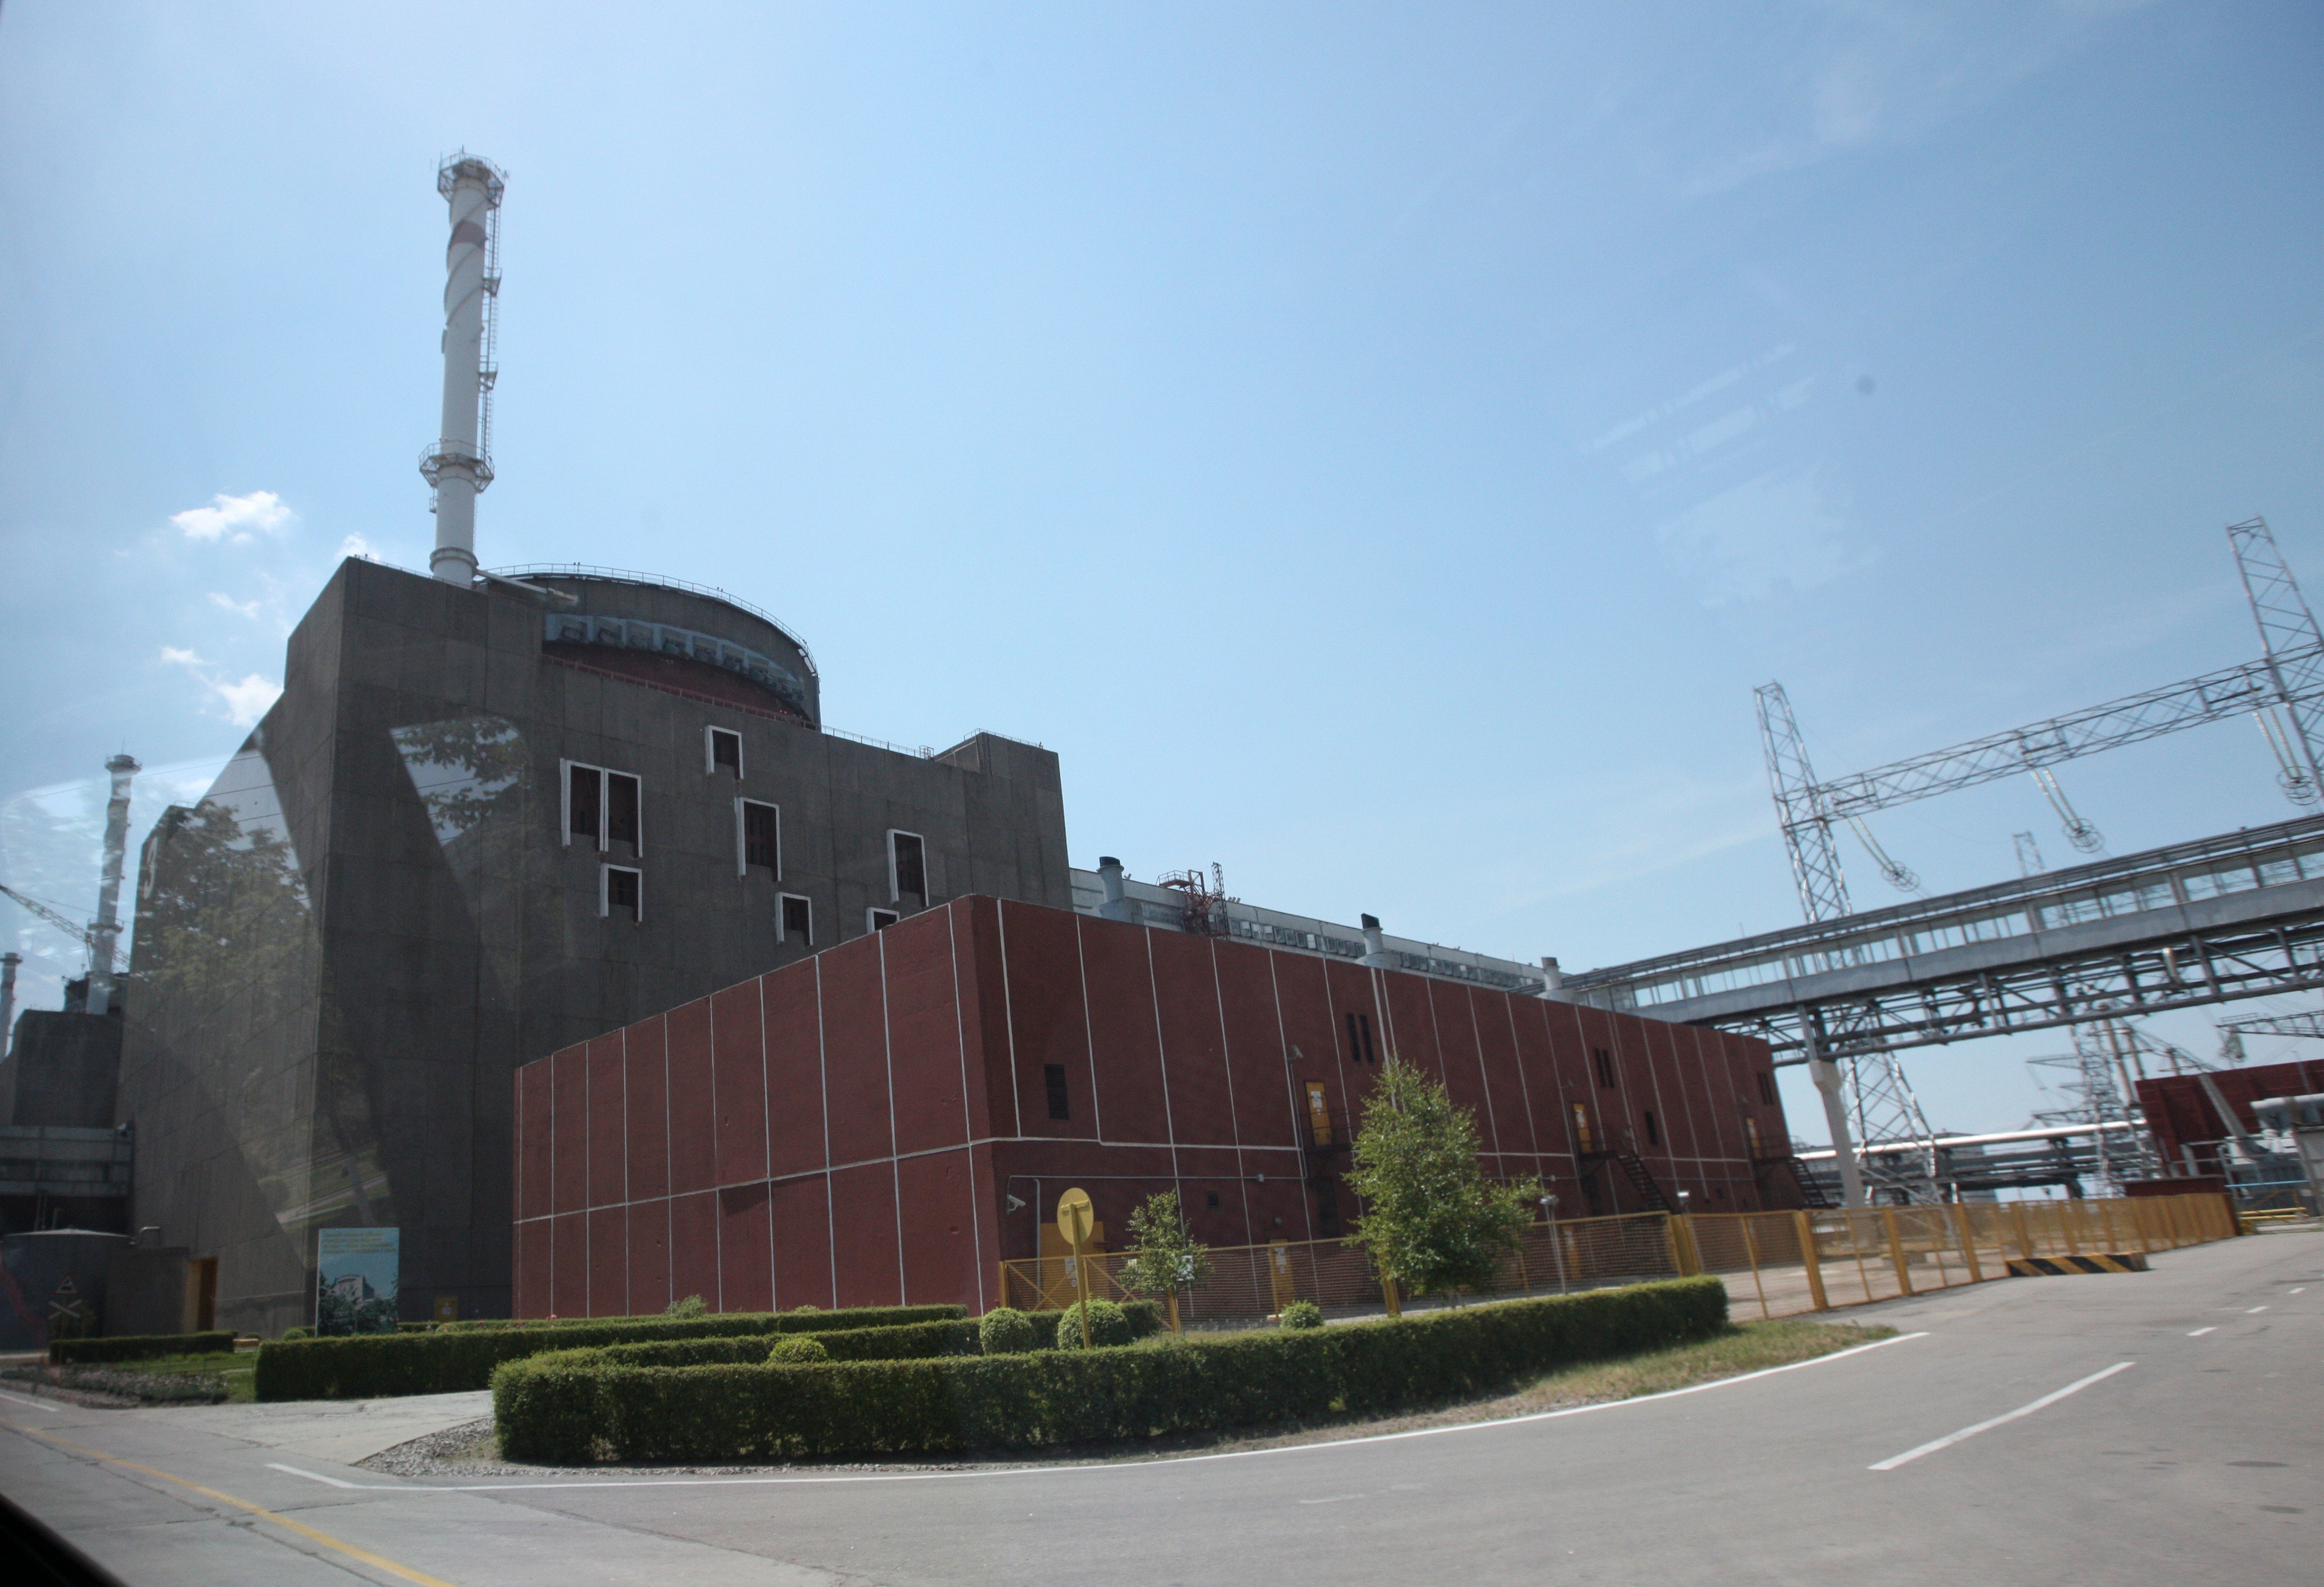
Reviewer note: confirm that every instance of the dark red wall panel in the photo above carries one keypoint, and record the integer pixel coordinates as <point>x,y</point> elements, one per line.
<point>794,1069</point>
<point>694,1247</point>
<point>863,1223</point>
<point>569,1265</point>
<point>1045,1015</point>
<point>608,1165</point>
<point>940,1257</point>
<point>535,1123</point>
<point>924,1034</point>
<point>746,1268</point>
<point>1123,1037</point>
<point>649,1227</point>
<point>569,1130</point>
<point>532,1269</point>
<point>802,1224</point>
<point>738,1063</point>
<point>1202,1094</point>
<point>855,1052</point>
<point>648,1112</point>
<point>609,1262</point>
<point>1267,1111</point>
<point>693,1098</point>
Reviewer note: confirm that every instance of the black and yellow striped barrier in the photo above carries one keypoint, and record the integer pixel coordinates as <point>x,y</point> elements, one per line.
<point>2113,1261</point>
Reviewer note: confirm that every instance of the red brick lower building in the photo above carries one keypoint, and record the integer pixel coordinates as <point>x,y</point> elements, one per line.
<point>885,1121</point>
<point>2188,1130</point>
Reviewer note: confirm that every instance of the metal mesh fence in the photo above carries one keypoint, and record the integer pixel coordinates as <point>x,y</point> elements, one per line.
<point>1773,1264</point>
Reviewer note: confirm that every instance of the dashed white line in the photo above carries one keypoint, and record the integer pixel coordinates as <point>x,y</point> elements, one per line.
<point>314,1476</point>
<point>2199,1332</point>
<point>2250,1310</point>
<point>2302,1290</point>
<point>1949,1439</point>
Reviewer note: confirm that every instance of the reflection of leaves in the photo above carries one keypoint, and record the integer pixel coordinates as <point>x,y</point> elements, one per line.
<point>226,913</point>
<point>461,768</point>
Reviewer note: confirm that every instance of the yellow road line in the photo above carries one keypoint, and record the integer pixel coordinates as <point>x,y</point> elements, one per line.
<point>377,1562</point>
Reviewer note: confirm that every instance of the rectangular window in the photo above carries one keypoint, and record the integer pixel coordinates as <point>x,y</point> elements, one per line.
<point>1605,1062</point>
<point>758,838</point>
<point>1766,1088</point>
<point>1359,1038</point>
<point>1060,1105</point>
<point>798,921</point>
<point>878,919</point>
<point>722,752</point>
<point>907,870</point>
<point>583,805</point>
<point>1653,1136</point>
<point>621,892</point>
<point>622,812</point>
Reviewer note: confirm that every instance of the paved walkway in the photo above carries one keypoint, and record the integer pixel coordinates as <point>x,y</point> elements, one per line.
<point>2135,1428</point>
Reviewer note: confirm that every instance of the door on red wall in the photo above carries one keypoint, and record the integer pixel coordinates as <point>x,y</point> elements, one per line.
<point>1319,1113</point>
<point>1581,1141</point>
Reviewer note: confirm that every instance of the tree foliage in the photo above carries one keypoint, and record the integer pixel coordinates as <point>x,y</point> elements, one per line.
<point>1167,1259</point>
<point>1432,1220</point>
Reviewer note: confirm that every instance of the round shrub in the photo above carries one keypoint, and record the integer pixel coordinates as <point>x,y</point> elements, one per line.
<point>1303,1313</point>
<point>1108,1325</point>
<point>691,1306</point>
<point>797,1350</point>
<point>1006,1331</point>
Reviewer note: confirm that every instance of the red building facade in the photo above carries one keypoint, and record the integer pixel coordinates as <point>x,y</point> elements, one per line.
<point>885,1121</point>
<point>2188,1130</point>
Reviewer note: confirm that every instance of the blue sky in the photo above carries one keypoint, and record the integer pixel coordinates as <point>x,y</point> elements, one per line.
<point>1379,448</point>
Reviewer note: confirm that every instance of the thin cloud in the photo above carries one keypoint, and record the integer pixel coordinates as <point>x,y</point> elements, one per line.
<point>244,703</point>
<point>237,519</point>
<point>242,608</point>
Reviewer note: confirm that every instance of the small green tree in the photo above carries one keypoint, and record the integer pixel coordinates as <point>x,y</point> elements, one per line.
<point>1167,1259</point>
<point>1432,1220</point>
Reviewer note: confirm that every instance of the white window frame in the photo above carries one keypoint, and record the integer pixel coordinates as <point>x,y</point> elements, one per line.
<point>605,891</point>
<point>604,774</point>
<point>871,918</point>
<point>741,838</point>
<point>782,915</point>
<point>895,887</point>
<point>710,750</point>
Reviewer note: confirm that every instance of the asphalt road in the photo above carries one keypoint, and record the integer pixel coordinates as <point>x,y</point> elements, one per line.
<point>2171,1429</point>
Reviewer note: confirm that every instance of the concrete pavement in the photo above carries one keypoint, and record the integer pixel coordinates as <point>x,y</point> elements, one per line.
<point>2199,1459</point>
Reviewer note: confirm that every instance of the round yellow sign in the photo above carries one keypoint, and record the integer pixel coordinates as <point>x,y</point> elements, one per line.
<point>1075,1217</point>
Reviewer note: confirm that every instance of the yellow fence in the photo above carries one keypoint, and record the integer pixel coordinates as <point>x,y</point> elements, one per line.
<point>1773,1264</point>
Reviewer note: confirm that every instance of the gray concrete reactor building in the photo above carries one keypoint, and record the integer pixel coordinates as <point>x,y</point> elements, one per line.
<point>481,825</point>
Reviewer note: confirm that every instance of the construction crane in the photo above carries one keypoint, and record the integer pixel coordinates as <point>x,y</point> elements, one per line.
<point>84,934</point>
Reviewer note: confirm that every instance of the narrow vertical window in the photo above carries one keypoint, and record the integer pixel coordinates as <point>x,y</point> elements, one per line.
<point>584,806</point>
<point>621,892</point>
<point>1653,1135</point>
<point>1605,1061</point>
<point>1364,1029</point>
<point>1060,1104</point>
<point>797,922</point>
<point>760,837</point>
<point>1766,1087</point>
<point>723,754</point>
<point>907,870</point>
<point>622,811</point>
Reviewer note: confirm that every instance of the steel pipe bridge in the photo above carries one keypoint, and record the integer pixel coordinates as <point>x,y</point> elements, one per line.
<point>2236,916</point>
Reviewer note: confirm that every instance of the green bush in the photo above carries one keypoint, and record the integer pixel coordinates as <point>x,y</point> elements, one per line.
<point>136,1347</point>
<point>1107,1326</point>
<point>1302,1314</point>
<point>800,1350</point>
<point>568,1406</point>
<point>376,1366</point>
<point>1006,1331</point>
<point>691,1306</point>
<point>298,1333</point>
<point>1146,1316</point>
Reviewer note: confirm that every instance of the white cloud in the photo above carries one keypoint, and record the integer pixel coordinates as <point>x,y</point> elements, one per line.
<point>245,608</point>
<point>244,703</point>
<point>354,545</point>
<point>236,518</point>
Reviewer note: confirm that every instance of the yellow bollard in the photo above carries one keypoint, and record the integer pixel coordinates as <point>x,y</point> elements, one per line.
<point>1814,1267</point>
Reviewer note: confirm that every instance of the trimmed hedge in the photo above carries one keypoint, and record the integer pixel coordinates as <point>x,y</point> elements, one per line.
<point>137,1347</point>
<point>564,1409</point>
<point>378,1366</point>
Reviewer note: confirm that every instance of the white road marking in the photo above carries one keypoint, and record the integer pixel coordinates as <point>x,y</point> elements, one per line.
<point>2301,1290</point>
<point>315,1476</point>
<point>1335,1498</point>
<point>1949,1439</point>
<point>1051,1471</point>
<point>2253,1309</point>
<point>38,1405</point>
<point>2199,1332</point>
